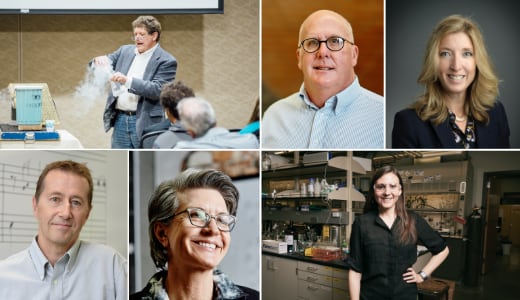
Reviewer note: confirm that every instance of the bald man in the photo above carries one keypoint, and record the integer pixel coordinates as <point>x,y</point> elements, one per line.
<point>331,109</point>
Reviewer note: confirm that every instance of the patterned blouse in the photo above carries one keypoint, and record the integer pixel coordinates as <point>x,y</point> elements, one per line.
<point>465,139</point>
<point>223,288</point>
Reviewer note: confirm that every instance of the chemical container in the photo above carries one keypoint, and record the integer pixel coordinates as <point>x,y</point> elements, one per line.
<point>29,107</point>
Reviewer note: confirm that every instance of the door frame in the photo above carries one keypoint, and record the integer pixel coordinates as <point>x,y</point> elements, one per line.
<point>487,177</point>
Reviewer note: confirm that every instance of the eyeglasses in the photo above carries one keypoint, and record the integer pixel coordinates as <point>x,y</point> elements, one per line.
<point>334,43</point>
<point>138,36</point>
<point>200,218</point>
<point>381,187</point>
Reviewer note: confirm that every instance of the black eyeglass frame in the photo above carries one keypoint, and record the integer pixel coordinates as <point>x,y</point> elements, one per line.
<point>208,218</point>
<point>326,43</point>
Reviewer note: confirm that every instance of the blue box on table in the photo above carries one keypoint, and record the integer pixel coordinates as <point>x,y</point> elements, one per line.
<point>29,106</point>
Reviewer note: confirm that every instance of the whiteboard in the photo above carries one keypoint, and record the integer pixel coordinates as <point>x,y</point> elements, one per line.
<point>103,6</point>
<point>19,172</point>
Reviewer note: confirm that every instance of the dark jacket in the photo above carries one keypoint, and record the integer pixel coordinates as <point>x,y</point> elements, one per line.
<point>161,69</point>
<point>411,132</point>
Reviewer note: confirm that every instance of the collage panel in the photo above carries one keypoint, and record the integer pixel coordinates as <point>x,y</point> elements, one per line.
<point>460,52</point>
<point>317,206</point>
<point>174,243</point>
<point>72,59</point>
<point>63,216</point>
<point>322,74</point>
<point>332,218</point>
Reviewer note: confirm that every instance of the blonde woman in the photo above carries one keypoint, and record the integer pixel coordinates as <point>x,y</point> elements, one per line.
<point>459,108</point>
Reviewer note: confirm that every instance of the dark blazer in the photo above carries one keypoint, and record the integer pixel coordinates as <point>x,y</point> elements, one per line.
<point>161,69</point>
<point>411,132</point>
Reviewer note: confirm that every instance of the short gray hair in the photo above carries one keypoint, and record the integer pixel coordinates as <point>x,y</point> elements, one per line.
<point>164,202</point>
<point>197,115</point>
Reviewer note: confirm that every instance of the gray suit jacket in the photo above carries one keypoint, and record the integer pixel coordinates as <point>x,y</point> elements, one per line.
<point>161,69</point>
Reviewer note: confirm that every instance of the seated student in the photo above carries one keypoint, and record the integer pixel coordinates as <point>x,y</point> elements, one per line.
<point>198,117</point>
<point>171,94</point>
<point>253,126</point>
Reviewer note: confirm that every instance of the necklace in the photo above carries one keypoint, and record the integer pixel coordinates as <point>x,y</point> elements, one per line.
<point>460,119</point>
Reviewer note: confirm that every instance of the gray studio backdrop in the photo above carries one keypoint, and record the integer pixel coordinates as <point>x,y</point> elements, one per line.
<point>409,24</point>
<point>242,262</point>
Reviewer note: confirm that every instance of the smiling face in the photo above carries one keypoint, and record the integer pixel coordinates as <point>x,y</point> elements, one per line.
<point>193,247</point>
<point>387,191</point>
<point>143,40</point>
<point>61,209</point>
<point>457,66</point>
<point>324,69</point>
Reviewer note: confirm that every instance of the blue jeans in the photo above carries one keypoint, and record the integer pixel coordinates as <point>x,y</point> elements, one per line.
<point>124,135</point>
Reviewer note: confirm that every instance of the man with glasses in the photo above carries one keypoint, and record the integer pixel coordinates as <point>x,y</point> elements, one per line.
<point>331,110</point>
<point>190,220</point>
<point>140,70</point>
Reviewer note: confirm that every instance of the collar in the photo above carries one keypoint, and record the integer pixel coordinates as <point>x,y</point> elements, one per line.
<point>223,287</point>
<point>338,102</point>
<point>147,52</point>
<point>40,261</point>
<point>444,133</point>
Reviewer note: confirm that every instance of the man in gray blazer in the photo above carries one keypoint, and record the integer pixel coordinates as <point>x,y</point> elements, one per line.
<point>139,72</point>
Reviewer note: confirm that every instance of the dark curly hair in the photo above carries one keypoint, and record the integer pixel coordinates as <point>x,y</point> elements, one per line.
<point>172,93</point>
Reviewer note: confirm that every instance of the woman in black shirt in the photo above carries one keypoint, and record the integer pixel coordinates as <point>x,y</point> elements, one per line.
<point>383,244</point>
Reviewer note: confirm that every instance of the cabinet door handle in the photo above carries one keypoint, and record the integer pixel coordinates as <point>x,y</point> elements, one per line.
<point>312,269</point>
<point>312,288</point>
<point>309,278</point>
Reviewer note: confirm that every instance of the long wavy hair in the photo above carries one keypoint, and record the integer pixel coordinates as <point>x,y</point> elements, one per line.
<point>483,91</point>
<point>407,233</point>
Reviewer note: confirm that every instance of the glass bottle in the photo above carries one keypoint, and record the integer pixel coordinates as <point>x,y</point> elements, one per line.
<point>317,187</point>
<point>289,237</point>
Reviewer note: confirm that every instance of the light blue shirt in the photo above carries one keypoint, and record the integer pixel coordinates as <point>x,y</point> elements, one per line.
<point>353,119</point>
<point>86,271</point>
<point>220,138</point>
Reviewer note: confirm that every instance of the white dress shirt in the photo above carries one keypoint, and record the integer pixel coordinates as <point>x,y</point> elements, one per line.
<point>128,101</point>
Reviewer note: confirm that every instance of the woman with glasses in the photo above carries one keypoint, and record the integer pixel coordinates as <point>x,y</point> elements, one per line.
<point>383,244</point>
<point>190,220</point>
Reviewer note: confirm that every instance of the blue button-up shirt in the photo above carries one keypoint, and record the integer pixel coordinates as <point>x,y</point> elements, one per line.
<point>86,271</point>
<point>354,119</point>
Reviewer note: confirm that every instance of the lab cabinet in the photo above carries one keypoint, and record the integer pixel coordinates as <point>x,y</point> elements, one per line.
<point>439,193</point>
<point>285,197</point>
<point>279,278</point>
<point>317,282</point>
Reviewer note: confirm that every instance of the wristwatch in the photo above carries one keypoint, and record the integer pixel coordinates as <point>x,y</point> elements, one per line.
<point>423,275</point>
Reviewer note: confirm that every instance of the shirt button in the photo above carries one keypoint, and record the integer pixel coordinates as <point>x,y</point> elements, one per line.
<point>55,282</point>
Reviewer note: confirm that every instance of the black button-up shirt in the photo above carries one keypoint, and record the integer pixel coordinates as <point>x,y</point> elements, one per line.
<point>382,261</point>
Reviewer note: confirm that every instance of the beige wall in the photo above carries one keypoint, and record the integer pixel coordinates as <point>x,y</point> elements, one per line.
<point>218,56</point>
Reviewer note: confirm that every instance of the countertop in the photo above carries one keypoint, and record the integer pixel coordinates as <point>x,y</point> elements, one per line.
<point>337,263</point>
